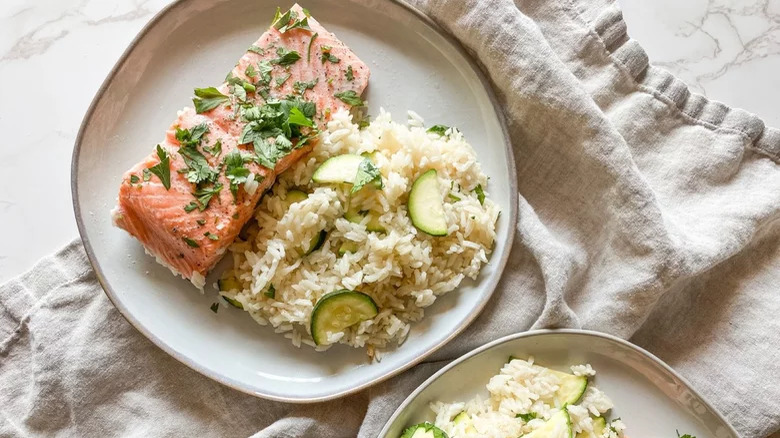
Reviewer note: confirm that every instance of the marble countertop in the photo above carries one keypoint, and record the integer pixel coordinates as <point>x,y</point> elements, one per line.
<point>55,54</point>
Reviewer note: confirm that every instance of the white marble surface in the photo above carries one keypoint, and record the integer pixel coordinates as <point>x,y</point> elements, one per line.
<point>54,55</point>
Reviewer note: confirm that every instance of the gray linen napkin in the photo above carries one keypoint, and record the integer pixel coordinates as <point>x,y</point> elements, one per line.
<point>645,211</point>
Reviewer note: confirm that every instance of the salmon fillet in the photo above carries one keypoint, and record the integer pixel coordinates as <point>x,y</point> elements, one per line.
<point>188,222</point>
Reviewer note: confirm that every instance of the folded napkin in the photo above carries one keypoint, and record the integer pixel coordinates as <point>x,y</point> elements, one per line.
<point>645,211</point>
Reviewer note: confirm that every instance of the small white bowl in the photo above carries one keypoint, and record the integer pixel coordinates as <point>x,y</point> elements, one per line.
<point>650,398</point>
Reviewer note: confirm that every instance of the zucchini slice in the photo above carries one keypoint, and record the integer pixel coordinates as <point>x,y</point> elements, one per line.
<point>423,430</point>
<point>335,311</point>
<point>235,303</point>
<point>426,209</point>
<point>356,216</point>
<point>228,284</point>
<point>338,169</point>
<point>599,425</point>
<point>558,426</point>
<point>295,195</point>
<point>571,388</point>
<point>316,242</point>
<point>348,246</point>
<point>464,419</point>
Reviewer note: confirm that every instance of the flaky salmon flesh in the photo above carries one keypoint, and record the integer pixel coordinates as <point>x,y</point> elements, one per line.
<point>187,201</point>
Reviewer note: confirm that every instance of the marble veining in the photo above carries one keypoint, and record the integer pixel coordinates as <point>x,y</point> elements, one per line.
<point>54,54</point>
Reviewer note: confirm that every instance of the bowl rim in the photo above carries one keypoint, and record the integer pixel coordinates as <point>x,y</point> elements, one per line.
<point>492,283</point>
<point>546,332</point>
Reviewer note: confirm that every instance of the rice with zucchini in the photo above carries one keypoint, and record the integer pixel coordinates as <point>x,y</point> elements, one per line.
<point>530,401</point>
<point>354,241</point>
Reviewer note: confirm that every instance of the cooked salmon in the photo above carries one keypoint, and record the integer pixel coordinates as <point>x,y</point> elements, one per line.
<point>187,201</point>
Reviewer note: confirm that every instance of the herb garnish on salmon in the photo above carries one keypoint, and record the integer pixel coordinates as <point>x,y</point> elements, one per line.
<point>264,117</point>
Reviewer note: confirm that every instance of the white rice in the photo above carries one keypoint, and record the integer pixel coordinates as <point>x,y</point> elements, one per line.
<point>402,269</point>
<point>522,388</point>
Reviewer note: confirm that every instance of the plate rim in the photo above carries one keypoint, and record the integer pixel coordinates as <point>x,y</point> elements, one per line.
<point>544,332</point>
<point>492,284</point>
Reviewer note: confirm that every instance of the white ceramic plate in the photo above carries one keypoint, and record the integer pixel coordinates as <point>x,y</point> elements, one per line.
<point>192,43</point>
<point>650,398</point>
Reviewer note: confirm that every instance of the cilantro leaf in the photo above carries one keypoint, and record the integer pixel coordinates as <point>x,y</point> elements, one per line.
<point>438,129</point>
<point>198,167</point>
<point>191,243</point>
<point>678,432</point>
<point>298,118</point>
<point>282,79</point>
<point>250,71</point>
<point>350,74</point>
<point>147,175</point>
<point>271,292</point>
<point>211,236</point>
<point>204,194</point>
<point>367,173</point>
<point>350,97</point>
<point>255,49</point>
<point>290,21</point>
<point>269,153</point>
<point>300,87</point>
<point>190,207</point>
<point>134,179</point>
<point>480,194</point>
<point>206,99</point>
<point>235,171</point>
<point>216,149</point>
<point>264,69</point>
<point>526,417</point>
<point>163,168</point>
<point>286,57</point>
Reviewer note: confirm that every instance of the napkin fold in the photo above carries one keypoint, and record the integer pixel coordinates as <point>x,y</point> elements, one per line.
<point>645,211</point>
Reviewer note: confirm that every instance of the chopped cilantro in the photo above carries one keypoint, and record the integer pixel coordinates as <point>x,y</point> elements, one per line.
<point>206,99</point>
<point>453,197</point>
<point>327,56</point>
<point>350,74</point>
<point>350,97</point>
<point>190,207</point>
<point>271,292</point>
<point>198,169</point>
<point>269,153</point>
<point>298,118</point>
<point>438,129</point>
<point>190,242</point>
<point>367,173</point>
<point>147,174</point>
<point>250,71</point>
<point>214,307</point>
<point>308,50</point>
<point>265,68</point>
<point>300,87</point>
<point>289,20</point>
<point>286,57</point>
<point>282,79</point>
<point>480,194</point>
<point>134,179</point>
<point>216,149</point>
<point>526,417</point>
<point>204,195</point>
<point>211,236</point>
<point>201,222</point>
<point>678,432</point>
<point>255,49</point>
<point>235,171</point>
<point>163,168</point>
<point>192,136</point>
